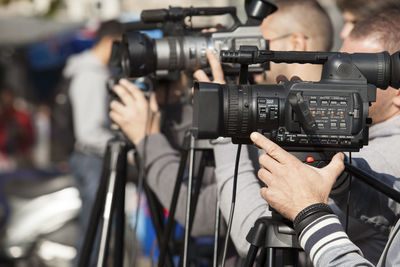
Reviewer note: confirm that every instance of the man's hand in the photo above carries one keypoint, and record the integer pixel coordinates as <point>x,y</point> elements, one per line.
<point>133,113</point>
<point>216,70</point>
<point>291,184</point>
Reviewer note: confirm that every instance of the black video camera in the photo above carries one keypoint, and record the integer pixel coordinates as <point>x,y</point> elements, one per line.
<point>329,115</point>
<point>185,48</point>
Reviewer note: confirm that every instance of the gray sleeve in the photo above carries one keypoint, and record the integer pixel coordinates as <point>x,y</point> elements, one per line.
<point>391,255</point>
<point>249,203</point>
<point>88,94</point>
<point>327,244</point>
<point>162,163</point>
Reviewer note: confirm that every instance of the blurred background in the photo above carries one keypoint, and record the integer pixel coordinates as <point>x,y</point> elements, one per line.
<point>39,202</point>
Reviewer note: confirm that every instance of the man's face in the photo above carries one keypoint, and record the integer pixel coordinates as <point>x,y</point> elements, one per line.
<point>383,108</point>
<point>278,42</point>
<point>349,22</point>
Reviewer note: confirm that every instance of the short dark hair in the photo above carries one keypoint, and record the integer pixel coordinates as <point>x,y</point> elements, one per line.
<point>312,18</point>
<point>384,27</point>
<point>363,9</point>
<point>109,28</point>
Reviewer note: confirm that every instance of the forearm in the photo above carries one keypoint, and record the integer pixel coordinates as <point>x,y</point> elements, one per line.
<point>249,204</point>
<point>327,244</point>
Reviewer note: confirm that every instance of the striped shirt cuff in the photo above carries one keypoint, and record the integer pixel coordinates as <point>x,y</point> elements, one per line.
<point>322,235</point>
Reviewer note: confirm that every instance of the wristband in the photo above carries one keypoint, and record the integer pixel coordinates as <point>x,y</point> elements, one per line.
<point>310,214</point>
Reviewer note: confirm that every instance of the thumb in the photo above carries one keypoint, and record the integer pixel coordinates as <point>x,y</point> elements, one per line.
<point>335,167</point>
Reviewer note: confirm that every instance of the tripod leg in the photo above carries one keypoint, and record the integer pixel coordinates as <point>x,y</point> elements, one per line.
<point>261,258</point>
<point>199,181</point>
<point>109,203</point>
<point>95,215</point>
<point>170,222</point>
<point>188,202</point>
<point>216,234</point>
<point>157,217</point>
<point>271,257</point>
<point>120,211</point>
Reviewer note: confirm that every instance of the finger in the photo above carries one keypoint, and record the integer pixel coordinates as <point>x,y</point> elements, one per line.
<point>295,79</point>
<point>208,30</point>
<point>153,103</point>
<point>114,116</point>
<point>124,95</point>
<point>264,193</point>
<point>281,78</point>
<point>272,149</point>
<point>216,68</point>
<point>133,90</point>
<point>265,176</point>
<point>117,107</point>
<point>335,167</point>
<point>201,76</point>
<point>269,163</point>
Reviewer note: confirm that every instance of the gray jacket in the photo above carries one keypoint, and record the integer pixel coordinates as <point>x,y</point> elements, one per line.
<point>88,94</point>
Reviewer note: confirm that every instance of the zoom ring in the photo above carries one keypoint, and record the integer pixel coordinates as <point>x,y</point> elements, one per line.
<point>231,124</point>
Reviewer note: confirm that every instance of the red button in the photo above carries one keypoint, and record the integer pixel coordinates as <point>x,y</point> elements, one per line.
<point>309,159</point>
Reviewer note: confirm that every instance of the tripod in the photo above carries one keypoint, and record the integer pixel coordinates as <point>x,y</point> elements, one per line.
<point>273,235</point>
<point>109,204</point>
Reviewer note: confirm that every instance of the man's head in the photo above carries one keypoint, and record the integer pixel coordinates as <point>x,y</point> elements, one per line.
<point>377,34</point>
<point>108,32</point>
<point>297,26</point>
<point>358,10</point>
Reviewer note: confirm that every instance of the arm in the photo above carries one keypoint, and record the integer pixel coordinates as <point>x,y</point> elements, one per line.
<point>161,160</point>
<point>162,163</point>
<point>292,189</point>
<point>328,245</point>
<point>249,204</point>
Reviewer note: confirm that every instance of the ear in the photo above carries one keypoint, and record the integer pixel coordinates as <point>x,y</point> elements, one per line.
<point>396,99</point>
<point>298,42</point>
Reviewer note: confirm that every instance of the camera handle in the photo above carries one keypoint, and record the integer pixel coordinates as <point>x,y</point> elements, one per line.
<point>373,181</point>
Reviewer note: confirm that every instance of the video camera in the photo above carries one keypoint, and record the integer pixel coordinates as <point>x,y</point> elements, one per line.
<point>328,115</point>
<point>185,48</point>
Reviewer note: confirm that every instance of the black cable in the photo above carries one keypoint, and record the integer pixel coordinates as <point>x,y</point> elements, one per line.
<point>235,175</point>
<point>142,170</point>
<point>348,198</point>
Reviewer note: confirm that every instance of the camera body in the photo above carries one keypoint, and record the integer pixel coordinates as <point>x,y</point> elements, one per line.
<point>299,116</point>
<point>329,115</point>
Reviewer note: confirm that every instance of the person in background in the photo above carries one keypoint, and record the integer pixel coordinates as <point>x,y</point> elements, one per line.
<point>289,30</point>
<point>88,73</point>
<point>16,133</point>
<point>357,10</point>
